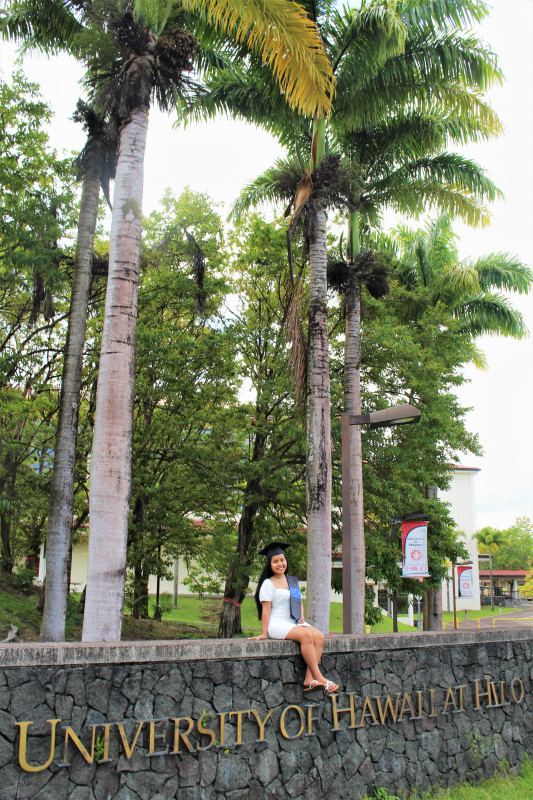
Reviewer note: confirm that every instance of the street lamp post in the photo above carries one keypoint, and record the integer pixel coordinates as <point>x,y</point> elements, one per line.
<point>352,486</point>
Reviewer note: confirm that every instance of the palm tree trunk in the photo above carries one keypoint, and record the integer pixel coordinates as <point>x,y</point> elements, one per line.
<point>318,438</point>
<point>110,485</point>
<point>59,535</point>
<point>352,405</point>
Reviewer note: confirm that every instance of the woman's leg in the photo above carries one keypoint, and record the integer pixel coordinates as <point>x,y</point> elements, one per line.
<point>311,642</point>
<point>318,644</point>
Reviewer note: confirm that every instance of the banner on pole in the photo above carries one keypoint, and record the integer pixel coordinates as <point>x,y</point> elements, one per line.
<point>464,579</point>
<point>415,549</point>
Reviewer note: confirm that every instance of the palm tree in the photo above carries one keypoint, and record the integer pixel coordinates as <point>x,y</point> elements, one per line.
<point>395,112</point>
<point>470,290</point>
<point>490,540</point>
<point>158,53</point>
<point>373,33</point>
<point>96,165</point>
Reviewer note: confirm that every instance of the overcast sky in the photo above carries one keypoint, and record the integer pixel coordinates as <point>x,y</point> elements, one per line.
<point>219,158</point>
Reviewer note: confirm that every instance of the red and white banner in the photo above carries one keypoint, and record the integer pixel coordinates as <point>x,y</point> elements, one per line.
<point>464,581</point>
<point>415,549</point>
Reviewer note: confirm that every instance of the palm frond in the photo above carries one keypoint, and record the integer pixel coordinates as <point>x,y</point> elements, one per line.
<point>479,358</point>
<point>504,271</point>
<point>366,36</point>
<point>431,195</point>
<point>457,280</point>
<point>407,137</point>
<point>287,41</point>
<point>435,14</point>
<point>278,184</point>
<point>46,26</point>
<point>490,314</point>
<point>448,181</point>
<point>250,96</point>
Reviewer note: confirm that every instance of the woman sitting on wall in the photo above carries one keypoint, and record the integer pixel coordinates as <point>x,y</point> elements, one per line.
<point>280,609</point>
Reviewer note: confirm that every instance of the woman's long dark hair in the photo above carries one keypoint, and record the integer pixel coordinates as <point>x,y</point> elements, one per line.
<point>267,573</point>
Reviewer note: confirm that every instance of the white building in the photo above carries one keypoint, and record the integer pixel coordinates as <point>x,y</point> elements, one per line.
<point>461,497</point>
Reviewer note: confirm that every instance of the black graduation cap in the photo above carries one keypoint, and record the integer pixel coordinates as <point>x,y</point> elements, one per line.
<point>274,549</point>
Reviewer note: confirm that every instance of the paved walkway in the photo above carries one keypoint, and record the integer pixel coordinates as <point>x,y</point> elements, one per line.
<point>523,617</point>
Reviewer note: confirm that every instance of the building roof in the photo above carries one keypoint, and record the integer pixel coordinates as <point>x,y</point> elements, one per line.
<point>505,573</point>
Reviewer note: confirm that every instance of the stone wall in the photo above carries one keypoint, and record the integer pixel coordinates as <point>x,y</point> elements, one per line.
<point>228,719</point>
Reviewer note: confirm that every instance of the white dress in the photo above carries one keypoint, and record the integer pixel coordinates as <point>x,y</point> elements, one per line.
<point>280,621</point>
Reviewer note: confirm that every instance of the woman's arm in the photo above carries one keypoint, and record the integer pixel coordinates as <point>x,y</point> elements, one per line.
<point>302,613</point>
<point>265,616</point>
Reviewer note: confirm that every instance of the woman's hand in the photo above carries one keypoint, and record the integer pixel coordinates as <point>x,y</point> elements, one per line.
<point>263,636</point>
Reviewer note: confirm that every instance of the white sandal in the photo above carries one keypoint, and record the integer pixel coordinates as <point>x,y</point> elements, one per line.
<point>313,685</point>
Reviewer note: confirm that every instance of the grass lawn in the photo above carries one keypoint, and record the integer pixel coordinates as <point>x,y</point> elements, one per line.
<point>205,612</point>
<point>485,611</point>
<point>194,618</point>
<point>502,787</point>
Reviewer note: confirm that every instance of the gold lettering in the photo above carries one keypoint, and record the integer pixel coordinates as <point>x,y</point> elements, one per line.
<point>522,690</point>
<point>461,689</point>
<point>261,723</point>
<point>127,749</point>
<point>185,736</point>
<point>450,697</point>
<point>282,722</point>
<point>23,744</point>
<point>336,711</point>
<point>152,736</point>
<point>494,690</point>
<point>419,693</point>
<point>432,703</point>
<point>504,702</point>
<point>368,711</point>
<point>69,734</point>
<point>205,732</point>
<point>310,719</point>
<point>222,737</point>
<point>407,702</point>
<point>239,715</point>
<point>479,694</point>
<point>388,709</point>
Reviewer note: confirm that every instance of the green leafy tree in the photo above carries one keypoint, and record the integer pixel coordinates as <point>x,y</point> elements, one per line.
<point>35,213</point>
<point>527,589</point>
<point>410,353</point>
<point>517,551</point>
<point>271,493</point>
<point>185,390</point>
<point>470,292</point>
